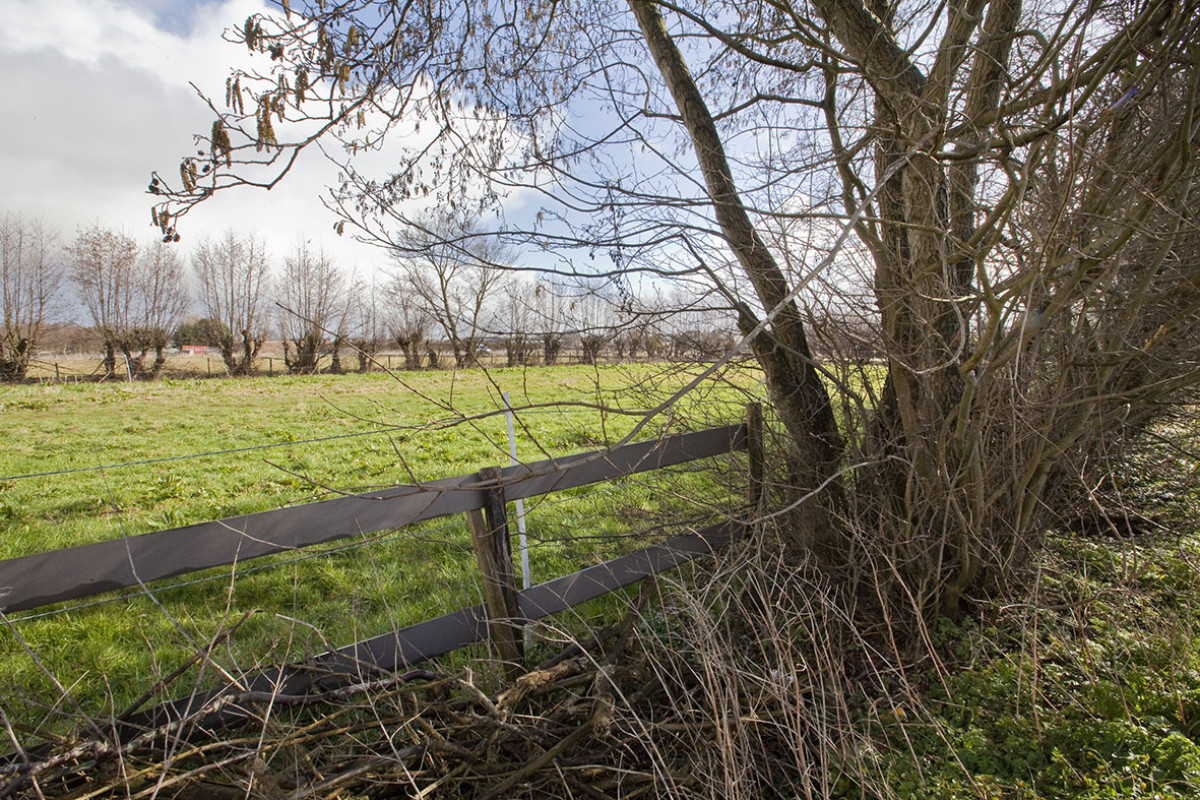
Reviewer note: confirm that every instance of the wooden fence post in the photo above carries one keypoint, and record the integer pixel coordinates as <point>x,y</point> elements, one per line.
<point>757,458</point>
<point>493,552</point>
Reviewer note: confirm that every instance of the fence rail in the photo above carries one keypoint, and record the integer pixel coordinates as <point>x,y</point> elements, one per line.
<point>391,652</point>
<point>32,581</point>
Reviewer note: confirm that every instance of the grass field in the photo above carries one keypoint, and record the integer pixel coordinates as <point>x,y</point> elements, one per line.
<point>1084,688</point>
<point>88,462</point>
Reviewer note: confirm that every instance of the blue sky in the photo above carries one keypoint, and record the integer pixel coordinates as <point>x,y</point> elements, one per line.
<point>174,16</point>
<point>97,95</point>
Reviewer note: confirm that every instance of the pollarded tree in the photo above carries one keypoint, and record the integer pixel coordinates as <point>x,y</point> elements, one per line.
<point>1020,175</point>
<point>366,321</point>
<point>160,298</point>
<point>516,320</point>
<point>408,321</point>
<point>592,317</point>
<point>29,280</point>
<point>233,279</point>
<point>102,264</point>
<point>454,268</point>
<point>134,296</point>
<point>312,308</point>
<point>550,308</point>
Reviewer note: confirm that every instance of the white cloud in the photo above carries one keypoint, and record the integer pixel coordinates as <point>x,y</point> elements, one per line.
<point>97,33</point>
<point>96,96</point>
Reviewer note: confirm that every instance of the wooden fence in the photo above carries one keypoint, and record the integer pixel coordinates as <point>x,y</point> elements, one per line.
<point>74,573</point>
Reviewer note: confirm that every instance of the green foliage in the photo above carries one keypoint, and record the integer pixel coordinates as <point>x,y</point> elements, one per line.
<point>1093,692</point>
<point>205,332</point>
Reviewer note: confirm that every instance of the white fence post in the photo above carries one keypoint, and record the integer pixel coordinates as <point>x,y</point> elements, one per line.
<point>522,542</point>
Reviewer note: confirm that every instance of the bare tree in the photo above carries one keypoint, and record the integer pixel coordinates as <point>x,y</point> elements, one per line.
<point>102,267</point>
<point>233,277</point>
<point>135,299</point>
<point>516,318</point>
<point>366,322</point>
<point>408,321</point>
<point>454,269</point>
<point>645,322</point>
<point>160,299</point>
<point>551,320</point>
<point>29,280</point>
<point>695,325</point>
<point>592,317</point>
<point>312,313</point>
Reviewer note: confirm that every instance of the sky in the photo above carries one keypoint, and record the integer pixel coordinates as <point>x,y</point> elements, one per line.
<point>96,95</point>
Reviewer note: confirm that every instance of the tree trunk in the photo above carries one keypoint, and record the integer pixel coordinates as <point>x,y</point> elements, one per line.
<point>302,356</point>
<point>919,458</point>
<point>227,356</point>
<point>796,390</point>
<point>240,365</point>
<point>335,364</point>
<point>591,346</point>
<point>551,346</point>
<point>160,361</point>
<point>14,365</point>
<point>412,355</point>
<point>110,359</point>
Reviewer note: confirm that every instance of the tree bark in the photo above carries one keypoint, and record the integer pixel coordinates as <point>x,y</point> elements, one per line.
<point>799,396</point>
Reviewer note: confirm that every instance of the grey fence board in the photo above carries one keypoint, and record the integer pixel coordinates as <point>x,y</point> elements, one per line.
<point>408,646</point>
<point>392,652</point>
<point>37,580</point>
<point>530,480</point>
<point>569,591</point>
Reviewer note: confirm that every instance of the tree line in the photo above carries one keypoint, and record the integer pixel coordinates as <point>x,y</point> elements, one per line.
<point>440,307</point>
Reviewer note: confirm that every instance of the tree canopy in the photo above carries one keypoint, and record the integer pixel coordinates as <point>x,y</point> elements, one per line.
<point>1002,192</point>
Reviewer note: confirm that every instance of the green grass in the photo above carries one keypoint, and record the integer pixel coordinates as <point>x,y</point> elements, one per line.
<point>302,603</point>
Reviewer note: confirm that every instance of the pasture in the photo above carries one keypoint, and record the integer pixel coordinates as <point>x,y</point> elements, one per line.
<point>89,462</point>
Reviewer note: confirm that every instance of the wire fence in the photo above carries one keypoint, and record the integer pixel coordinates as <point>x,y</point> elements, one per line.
<point>424,426</point>
<point>541,510</point>
<point>589,541</point>
<point>539,506</point>
<point>90,367</point>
